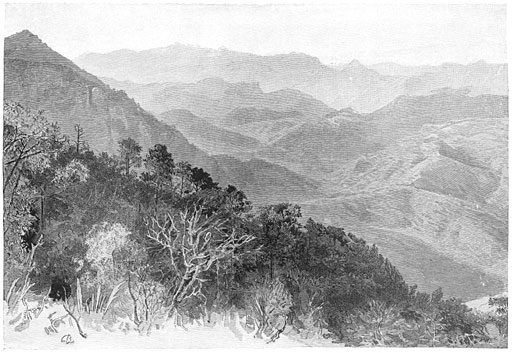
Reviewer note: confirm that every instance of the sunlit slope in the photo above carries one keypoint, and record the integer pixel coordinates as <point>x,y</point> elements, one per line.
<point>443,189</point>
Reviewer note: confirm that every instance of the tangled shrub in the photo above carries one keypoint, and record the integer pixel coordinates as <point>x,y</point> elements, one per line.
<point>102,241</point>
<point>308,297</point>
<point>430,322</point>
<point>499,315</point>
<point>149,297</point>
<point>375,320</point>
<point>269,304</point>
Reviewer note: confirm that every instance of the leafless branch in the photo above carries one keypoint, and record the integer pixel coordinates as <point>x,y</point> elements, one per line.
<point>194,244</point>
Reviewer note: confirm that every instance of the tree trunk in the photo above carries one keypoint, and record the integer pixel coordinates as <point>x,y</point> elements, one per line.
<point>41,214</point>
<point>271,266</point>
<point>135,309</point>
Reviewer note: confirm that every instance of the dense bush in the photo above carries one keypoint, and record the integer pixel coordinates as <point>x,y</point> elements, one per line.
<point>269,304</point>
<point>499,314</point>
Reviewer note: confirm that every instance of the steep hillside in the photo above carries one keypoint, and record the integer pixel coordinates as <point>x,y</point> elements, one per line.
<point>266,183</point>
<point>317,149</point>
<point>208,137</point>
<point>441,196</point>
<point>225,112</point>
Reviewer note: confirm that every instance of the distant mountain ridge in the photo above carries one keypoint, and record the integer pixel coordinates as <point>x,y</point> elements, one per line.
<point>394,69</point>
<point>407,113</point>
<point>179,63</point>
<point>351,85</point>
<point>479,77</point>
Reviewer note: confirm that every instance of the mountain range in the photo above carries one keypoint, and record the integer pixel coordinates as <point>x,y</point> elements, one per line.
<point>413,159</point>
<point>355,86</point>
<point>350,85</point>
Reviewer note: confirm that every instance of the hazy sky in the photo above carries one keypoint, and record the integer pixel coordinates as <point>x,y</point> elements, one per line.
<point>407,34</point>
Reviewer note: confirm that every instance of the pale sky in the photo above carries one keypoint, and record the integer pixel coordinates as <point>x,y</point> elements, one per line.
<point>371,33</point>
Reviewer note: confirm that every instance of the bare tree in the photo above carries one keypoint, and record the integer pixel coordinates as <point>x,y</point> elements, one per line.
<point>194,244</point>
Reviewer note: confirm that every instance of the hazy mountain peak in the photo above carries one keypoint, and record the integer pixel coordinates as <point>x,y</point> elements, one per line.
<point>355,64</point>
<point>355,68</point>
